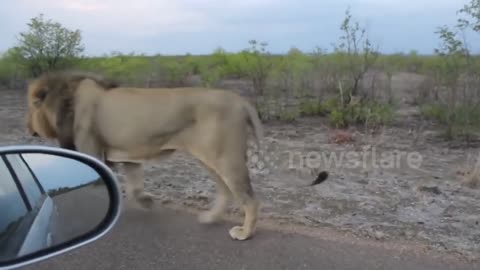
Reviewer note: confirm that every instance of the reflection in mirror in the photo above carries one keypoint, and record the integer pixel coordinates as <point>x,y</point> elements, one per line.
<point>47,200</point>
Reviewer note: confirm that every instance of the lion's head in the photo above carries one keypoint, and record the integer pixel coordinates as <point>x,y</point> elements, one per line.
<point>50,104</point>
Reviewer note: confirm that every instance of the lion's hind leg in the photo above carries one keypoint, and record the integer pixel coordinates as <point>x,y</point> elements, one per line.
<point>224,152</point>
<point>238,181</point>
<point>221,201</point>
<point>232,179</point>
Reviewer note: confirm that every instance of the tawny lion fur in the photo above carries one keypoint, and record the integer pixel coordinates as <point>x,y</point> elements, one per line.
<point>133,125</point>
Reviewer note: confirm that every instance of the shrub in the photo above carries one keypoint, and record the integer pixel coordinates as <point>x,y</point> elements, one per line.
<point>368,113</point>
<point>289,115</point>
<point>312,108</point>
<point>463,121</point>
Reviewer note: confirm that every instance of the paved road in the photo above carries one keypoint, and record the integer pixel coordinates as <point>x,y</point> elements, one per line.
<point>168,239</point>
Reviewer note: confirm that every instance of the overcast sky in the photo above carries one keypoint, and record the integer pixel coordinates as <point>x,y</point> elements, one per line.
<point>200,26</point>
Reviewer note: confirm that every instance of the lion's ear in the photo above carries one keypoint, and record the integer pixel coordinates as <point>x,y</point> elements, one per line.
<point>106,84</point>
<point>109,84</point>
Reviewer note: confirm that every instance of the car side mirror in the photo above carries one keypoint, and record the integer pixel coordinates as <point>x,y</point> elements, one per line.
<point>52,200</point>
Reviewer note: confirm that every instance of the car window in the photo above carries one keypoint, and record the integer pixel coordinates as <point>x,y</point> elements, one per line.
<point>9,195</point>
<point>32,189</point>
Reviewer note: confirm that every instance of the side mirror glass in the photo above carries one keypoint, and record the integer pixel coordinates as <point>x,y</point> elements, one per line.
<point>52,200</point>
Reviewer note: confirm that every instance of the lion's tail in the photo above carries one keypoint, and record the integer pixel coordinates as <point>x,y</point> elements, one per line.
<point>255,123</point>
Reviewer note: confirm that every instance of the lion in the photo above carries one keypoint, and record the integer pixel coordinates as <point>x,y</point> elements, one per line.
<point>134,125</point>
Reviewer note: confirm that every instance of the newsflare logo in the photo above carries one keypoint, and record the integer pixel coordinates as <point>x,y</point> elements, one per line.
<point>265,160</point>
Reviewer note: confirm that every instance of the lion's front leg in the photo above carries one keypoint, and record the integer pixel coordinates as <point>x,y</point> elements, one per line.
<point>134,184</point>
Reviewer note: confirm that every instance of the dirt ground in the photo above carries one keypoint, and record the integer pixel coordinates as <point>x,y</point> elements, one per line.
<point>426,204</point>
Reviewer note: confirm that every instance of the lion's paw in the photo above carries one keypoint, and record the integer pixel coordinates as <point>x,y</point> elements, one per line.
<point>207,217</point>
<point>145,200</point>
<point>239,233</point>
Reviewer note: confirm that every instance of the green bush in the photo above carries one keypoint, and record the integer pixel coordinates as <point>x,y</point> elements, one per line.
<point>176,73</point>
<point>289,115</point>
<point>126,68</point>
<point>462,121</point>
<point>294,73</point>
<point>369,113</point>
<point>210,77</point>
<point>312,108</point>
<point>435,112</point>
<point>12,68</point>
<point>236,66</point>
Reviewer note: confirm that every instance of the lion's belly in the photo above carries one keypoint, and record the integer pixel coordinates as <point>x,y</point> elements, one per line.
<point>139,156</point>
<point>117,155</point>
